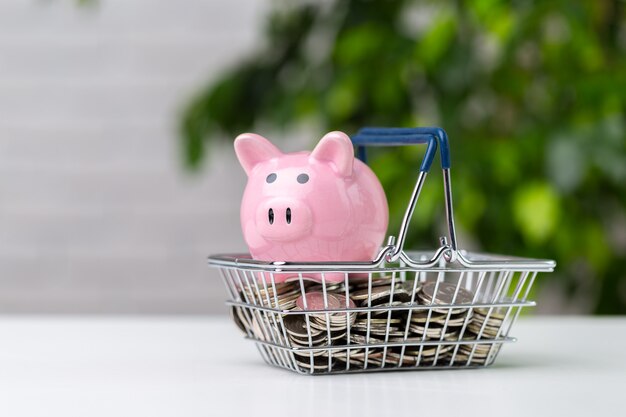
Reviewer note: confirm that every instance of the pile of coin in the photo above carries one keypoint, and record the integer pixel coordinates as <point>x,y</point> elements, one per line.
<point>479,353</point>
<point>440,323</point>
<point>489,322</point>
<point>322,329</point>
<point>302,335</point>
<point>282,296</point>
<point>382,325</point>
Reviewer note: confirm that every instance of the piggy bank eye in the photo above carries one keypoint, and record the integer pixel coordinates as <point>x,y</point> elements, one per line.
<point>302,178</point>
<point>270,178</point>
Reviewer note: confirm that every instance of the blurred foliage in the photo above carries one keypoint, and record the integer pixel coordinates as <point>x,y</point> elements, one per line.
<point>531,93</point>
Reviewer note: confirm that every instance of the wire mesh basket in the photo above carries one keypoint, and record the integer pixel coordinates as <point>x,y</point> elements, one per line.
<point>445,309</point>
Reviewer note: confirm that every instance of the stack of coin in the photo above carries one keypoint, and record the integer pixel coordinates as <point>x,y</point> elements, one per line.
<point>359,283</point>
<point>240,319</point>
<point>281,295</point>
<point>320,363</point>
<point>359,357</point>
<point>250,322</point>
<point>445,295</point>
<point>381,294</point>
<point>380,329</point>
<point>489,322</point>
<point>479,357</point>
<point>378,326</point>
<point>440,322</point>
<point>331,287</point>
<point>425,354</point>
<point>334,324</point>
<point>302,336</point>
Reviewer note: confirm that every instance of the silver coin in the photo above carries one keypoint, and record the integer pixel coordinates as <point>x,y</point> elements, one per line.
<point>295,324</point>
<point>236,314</point>
<point>325,328</point>
<point>319,363</point>
<point>446,293</point>
<point>487,332</point>
<point>480,351</point>
<point>496,314</point>
<point>365,282</point>
<point>344,353</point>
<point>316,340</point>
<point>461,359</point>
<point>307,353</point>
<point>362,339</point>
<point>377,321</point>
<point>427,350</point>
<point>376,292</point>
<point>454,320</point>
<point>344,302</point>
<point>402,359</point>
<point>434,330</point>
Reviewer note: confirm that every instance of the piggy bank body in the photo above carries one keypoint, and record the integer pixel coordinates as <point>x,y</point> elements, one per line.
<point>319,206</point>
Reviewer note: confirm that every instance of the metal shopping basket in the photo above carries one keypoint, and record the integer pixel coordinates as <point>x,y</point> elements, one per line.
<point>445,309</point>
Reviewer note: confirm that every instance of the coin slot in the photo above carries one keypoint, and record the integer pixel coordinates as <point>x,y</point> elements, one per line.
<point>270,215</point>
<point>288,215</point>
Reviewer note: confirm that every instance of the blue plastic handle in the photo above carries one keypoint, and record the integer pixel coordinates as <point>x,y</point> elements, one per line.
<point>398,136</point>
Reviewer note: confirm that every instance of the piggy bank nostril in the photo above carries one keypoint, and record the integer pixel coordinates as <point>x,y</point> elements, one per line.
<point>288,215</point>
<point>270,215</point>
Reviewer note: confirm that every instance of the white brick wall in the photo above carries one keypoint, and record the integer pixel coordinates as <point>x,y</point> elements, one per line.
<point>96,212</point>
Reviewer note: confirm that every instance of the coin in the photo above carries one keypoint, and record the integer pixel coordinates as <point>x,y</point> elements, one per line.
<point>479,350</point>
<point>236,314</point>
<point>260,291</point>
<point>434,330</point>
<point>460,359</point>
<point>374,293</point>
<point>496,314</point>
<point>310,352</point>
<point>427,350</point>
<point>445,293</point>
<point>384,321</point>
<point>319,363</point>
<point>381,294</point>
<point>343,301</point>
<point>454,320</point>
<point>487,331</point>
<point>295,324</point>
<point>361,339</point>
<point>317,301</point>
<point>375,281</point>
<point>343,353</point>
<point>315,338</point>
<point>323,326</point>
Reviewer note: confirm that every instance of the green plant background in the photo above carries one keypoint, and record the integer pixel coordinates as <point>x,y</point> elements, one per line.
<point>531,93</point>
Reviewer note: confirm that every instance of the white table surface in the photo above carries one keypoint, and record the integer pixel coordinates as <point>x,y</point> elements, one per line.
<point>186,366</point>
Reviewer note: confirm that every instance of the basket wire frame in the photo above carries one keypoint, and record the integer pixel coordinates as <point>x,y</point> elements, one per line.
<point>500,286</point>
<point>504,291</point>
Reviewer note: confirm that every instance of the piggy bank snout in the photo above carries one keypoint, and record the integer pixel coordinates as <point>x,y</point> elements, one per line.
<point>283,219</point>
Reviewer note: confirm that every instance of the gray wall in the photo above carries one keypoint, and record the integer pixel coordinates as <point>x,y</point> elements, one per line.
<point>96,212</point>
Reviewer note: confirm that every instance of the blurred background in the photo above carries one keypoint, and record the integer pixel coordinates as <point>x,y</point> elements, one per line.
<point>117,119</point>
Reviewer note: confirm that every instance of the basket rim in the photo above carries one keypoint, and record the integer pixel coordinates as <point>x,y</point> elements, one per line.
<point>411,261</point>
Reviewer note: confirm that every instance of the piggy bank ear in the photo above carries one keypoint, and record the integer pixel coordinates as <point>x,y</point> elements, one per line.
<point>336,148</point>
<point>253,149</point>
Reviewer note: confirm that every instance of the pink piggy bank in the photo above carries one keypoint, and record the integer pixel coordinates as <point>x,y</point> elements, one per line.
<point>320,206</point>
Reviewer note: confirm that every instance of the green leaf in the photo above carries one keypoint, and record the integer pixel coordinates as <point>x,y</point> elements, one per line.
<point>536,211</point>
